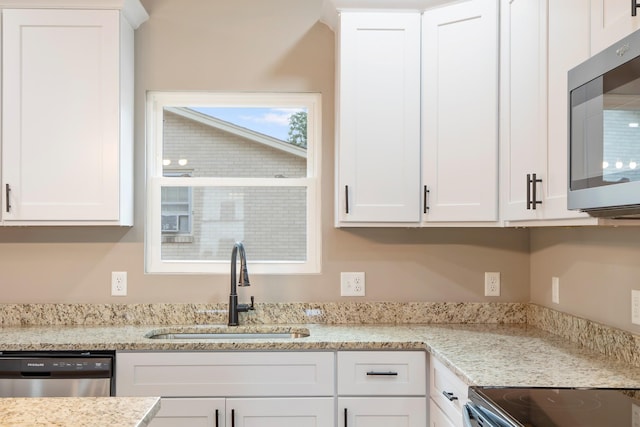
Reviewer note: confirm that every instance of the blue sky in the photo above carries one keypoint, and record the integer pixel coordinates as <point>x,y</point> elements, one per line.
<point>269,121</point>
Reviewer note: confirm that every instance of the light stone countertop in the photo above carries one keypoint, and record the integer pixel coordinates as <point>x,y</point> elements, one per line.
<point>480,354</point>
<point>78,411</point>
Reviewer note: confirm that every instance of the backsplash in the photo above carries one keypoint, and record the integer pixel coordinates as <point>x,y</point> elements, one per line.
<point>269,313</point>
<point>616,343</point>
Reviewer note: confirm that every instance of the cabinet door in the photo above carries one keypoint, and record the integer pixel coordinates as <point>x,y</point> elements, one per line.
<point>568,45</point>
<point>192,412</point>
<point>611,20</point>
<point>60,114</point>
<point>379,118</point>
<point>523,103</point>
<point>292,412</point>
<point>447,391</point>
<point>460,98</point>
<point>382,412</point>
<point>437,418</point>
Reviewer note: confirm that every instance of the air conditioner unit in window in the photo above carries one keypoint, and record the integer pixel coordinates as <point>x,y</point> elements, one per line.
<point>170,223</point>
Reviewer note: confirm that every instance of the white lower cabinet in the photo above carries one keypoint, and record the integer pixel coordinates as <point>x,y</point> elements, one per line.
<point>437,418</point>
<point>382,389</point>
<point>190,411</point>
<point>285,412</point>
<point>382,412</point>
<point>245,412</point>
<point>283,389</point>
<point>447,394</point>
<point>213,388</point>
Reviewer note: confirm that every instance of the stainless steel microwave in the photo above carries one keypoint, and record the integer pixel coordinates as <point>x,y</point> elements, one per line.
<point>604,132</point>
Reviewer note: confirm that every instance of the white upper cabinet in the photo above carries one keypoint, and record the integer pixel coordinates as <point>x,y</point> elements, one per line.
<point>523,106</point>
<point>67,116</point>
<point>460,112</point>
<point>611,20</point>
<point>540,42</point>
<point>398,73</point>
<point>378,123</point>
<point>568,46</point>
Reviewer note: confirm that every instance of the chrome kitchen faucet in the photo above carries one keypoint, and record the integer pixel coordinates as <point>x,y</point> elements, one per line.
<point>243,280</point>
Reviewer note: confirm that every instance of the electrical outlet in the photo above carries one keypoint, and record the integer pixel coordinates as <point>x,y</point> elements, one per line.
<point>635,307</point>
<point>492,284</point>
<point>118,283</point>
<point>555,290</point>
<point>352,284</point>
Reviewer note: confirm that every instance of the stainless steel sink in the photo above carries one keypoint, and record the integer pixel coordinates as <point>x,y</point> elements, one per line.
<point>227,334</point>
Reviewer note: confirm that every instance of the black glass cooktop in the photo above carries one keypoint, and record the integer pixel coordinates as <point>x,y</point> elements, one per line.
<point>560,407</point>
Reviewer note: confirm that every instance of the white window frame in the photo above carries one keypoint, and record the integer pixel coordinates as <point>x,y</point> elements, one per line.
<point>156,102</point>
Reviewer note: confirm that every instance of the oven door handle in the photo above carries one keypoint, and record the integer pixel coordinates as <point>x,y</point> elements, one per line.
<point>470,414</point>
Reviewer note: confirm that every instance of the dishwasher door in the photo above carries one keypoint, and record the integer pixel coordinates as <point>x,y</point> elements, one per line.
<point>56,375</point>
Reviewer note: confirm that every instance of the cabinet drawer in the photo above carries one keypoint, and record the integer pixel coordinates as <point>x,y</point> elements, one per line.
<point>225,374</point>
<point>385,373</point>
<point>447,390</point>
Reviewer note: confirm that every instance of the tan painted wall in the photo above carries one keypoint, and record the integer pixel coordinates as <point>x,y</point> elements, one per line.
<point>263,46</point>
<point>597,268</point>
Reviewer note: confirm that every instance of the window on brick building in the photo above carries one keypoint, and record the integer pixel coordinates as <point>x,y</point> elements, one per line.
<point>227,167</point>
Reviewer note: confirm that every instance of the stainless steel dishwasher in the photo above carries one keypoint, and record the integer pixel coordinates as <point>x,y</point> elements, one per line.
<point>56,374</point>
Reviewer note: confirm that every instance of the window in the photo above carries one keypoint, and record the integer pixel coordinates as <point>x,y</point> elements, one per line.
<point>227,167</point>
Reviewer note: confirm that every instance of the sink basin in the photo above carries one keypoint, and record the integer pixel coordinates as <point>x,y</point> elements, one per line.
<point>227,333</point>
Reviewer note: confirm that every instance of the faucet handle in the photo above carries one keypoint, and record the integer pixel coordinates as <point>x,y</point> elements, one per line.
<point>251,307</point>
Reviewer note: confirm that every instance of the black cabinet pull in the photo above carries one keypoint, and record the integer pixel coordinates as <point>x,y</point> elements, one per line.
<point>449,396</point>
<point>425,206</point>
<point>346,199</point>
<point>528,191</point>
<point>385,374</point>
<point>217,418</point>
<point>532,198</point>
<point>7,192</point>
<point>345,417</point>
<point>233,418</point>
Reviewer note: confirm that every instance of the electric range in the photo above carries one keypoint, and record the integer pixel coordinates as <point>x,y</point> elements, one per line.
<point>552,407</point>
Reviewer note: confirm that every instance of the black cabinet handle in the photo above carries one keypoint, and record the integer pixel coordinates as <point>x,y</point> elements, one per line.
<point>385,374</point>
<point>346,199</point>
<point>7,192</point>
<point>449,396</point>
<point>233,418</point>
<point>345,417</point>
<point>217,425</point>
<point>425,206</point>
<point>532,198</point>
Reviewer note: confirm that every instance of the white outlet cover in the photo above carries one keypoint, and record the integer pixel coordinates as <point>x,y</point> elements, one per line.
<point>635,307</point>
<point>118,283</point>
<point>555,290</point>
<point>352,284</point>
<point>492,284</point>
